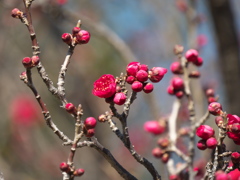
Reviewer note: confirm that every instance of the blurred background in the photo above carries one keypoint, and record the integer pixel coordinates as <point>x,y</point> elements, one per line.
<point>122,31</point>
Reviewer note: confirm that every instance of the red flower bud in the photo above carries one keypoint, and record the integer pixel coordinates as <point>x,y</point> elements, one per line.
<point>210,92</point>
<point>132,68</point>
<point>143,67</point>
<point>222,176</point>
<point>16,13</point>
<point>90,122</point>
<point>163,142</point>
<point>219,121</point>
<point>78,172</point>
<point>35,60</point>
<point>176,68</point>
<point>70,108</point>
<point>211,99</point>
<point>130,79</point>
<point>67,38</point>
<point>179,94</point>
<point>119,98</point>
<point>202,144</point>
<point>75,30</point>
<point>27,62</point>
<point>137,86</point>
<point>148,88</point>
<point>165,157</point>
<point>154,127</point>
<point>156,74</point>
<point>170,90</point>
<point>194,74</point>
<point>90,133</point>
<point>205,131</point>
<point>211,143</point>
<point>215,108</point>
<point>142,76</point>
<point>173,177</point>
<point>198,62</point>
<point>64,167</point>
<point>83,37</point>
<point>157,152</point>
<point>235,157</point>
<point>177,83</point>
<point>191,55</point>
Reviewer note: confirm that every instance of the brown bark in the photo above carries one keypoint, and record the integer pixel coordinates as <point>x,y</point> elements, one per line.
<point>228,46</point>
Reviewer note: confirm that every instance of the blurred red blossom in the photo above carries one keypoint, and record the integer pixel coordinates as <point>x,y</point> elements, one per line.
<point>23,111</point>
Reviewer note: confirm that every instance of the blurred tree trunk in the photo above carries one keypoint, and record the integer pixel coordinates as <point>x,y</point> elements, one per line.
<point>228,46</point>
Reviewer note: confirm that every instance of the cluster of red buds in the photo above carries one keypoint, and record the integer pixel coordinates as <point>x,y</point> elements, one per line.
<point>89,123</point>
<point>161,151</point>
<point>64,167</point>
<point>78,36</point>
<point>207,134</point>
<point>138,74</point>
<point>176,87</point>
<point>211,95</point>
<point>30,62</point>
<point>233,128</point>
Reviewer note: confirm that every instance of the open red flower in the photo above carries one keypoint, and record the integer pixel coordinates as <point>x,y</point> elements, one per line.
<point>105,86</point>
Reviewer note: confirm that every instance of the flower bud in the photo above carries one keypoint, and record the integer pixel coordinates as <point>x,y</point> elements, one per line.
<point>16,13</point>
<point>137,86</point>
<point>210,92</point>
<point>130,79</point>
<point>142,76</point>
<point>148,88</point>
<point>202,144</point>
<point>163,142</point>
<point>194,74</point>
<point>157,152</point>
<point>215,108</point>
<point>90,122</point>
<point>170,90</point>
<point>102,118</point>
<point>219,121</point>
<point>191,55</point>
<point>83,37</point>
<point>177,83</point>
<point>205,132</point>
<point>35,60</point>
<point>67,38</point>
<point>154,127</point>
<point>165,157</point>
<point>211,143</point>
<point>211,99</point>
<point>156,74</point>
<point>90,133</point>
<point>235,128</point>
<point>70,108</point>
<point>132,68</point>
<point>27,62</point>
<point>179,94</point>
<point>75,30</point>
<point>173,177</point>
<point>176,68</point>
<point>222,176</point>
<point>178,49</point>
<point>143,67</point>
<point>119,98</point>
<point>235,157</point>
<point>64,167</point>
<point>78,172</point>
<point>198,62</point>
